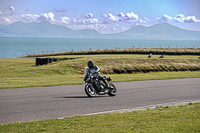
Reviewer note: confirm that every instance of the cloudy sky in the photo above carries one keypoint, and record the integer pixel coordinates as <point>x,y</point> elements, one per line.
<point>105,16</point>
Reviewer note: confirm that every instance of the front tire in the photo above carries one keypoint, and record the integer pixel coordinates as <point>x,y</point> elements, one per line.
<point>112,90</point>
<point>89,90</point>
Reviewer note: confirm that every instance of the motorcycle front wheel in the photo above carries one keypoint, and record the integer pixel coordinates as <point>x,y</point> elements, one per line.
<point>112,90</point>
<point>89,90</point>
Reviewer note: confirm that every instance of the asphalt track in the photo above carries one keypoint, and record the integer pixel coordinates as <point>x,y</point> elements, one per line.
<point>30,104</point>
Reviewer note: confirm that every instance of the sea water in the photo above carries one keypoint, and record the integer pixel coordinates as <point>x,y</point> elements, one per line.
<point>15,47</point>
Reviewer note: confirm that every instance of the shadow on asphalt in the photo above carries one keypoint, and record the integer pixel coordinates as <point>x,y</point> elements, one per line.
<point>72,97</point>
<point>78,97</point>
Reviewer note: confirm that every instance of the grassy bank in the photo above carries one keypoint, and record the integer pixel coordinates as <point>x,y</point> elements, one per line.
<point>157,51</point>
<point>181,118</point>
<point>22,72</point>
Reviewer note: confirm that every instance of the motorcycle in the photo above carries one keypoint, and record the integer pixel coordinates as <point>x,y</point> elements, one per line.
<point>96,86</point>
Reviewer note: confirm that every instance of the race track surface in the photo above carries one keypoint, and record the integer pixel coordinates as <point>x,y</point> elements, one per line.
<point>30,104</point>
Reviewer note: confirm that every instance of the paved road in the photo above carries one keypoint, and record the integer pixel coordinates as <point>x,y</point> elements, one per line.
<point>29,104</point>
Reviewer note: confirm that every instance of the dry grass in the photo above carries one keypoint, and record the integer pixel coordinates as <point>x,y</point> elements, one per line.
<point>22,72</point>
<point>166,51</point>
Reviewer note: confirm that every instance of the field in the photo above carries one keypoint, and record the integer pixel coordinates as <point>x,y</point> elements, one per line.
<point>180,118</point>
<point>121,67</point>
<point>22,72</point>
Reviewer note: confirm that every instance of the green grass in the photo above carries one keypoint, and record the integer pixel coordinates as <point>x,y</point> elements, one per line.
<point>22,72</point>
<point>182,118</point>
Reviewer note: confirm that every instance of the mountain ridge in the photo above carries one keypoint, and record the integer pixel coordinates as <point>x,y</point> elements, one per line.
<point>43,29</point>
<point>163,31</point>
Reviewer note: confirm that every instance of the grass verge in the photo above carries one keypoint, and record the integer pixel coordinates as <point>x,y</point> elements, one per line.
<point>22,72</point>
<point>180,118</point>
<point>55,80</point>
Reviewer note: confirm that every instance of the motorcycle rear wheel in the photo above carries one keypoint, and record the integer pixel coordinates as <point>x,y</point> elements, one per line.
<point>112,90</point>
<point>89,90</point>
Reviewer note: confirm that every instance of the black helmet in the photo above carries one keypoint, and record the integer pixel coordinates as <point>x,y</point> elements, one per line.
<point>90,64</point>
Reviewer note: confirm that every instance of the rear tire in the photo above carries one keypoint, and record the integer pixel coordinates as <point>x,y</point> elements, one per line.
<point>112,90</point>
<point>89,90</point>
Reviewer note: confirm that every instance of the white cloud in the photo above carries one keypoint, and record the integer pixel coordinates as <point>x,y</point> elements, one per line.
<point>5,13</point>
<point>97,27</point>
<point>46,17</point>
<point>165,18</point>
<point>91,21</point>
<point>103,24</point>
<point>144,20</point>
<point>189,19</point>
<point>121,14</point>
<point>38,18</point>
<point>124,28</point>
<point>130,16</point>
<point>118,28</point>
<point>106,23</point>
<point>101,28</point>
<point>121,17</point>
<point>5,20</point>
<point>75,21</point>
<point>89,15</point>
<point>9,10</point>
<point>65,20</point>
<point>29,17</point>
<point>109,18</point>
<point>180,18</point>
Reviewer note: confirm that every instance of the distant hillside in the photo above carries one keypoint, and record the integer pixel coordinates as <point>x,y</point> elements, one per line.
<point>163,31</point>
<point>44,29</point>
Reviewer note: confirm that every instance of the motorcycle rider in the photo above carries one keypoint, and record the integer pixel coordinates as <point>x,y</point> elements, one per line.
<point>95,71</point>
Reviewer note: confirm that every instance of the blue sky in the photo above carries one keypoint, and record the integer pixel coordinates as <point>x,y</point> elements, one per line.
<point>105,16</point>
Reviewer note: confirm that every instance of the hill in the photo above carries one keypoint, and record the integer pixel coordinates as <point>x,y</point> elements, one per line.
<point>44,29</point>
<point>162,31</point>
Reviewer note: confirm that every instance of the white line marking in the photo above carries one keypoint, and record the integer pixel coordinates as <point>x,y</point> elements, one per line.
<point>148,107</point>
<point>143,107</point>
